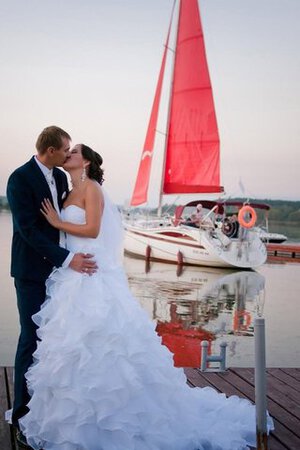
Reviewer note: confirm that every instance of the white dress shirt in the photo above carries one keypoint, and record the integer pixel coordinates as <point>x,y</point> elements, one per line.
<point>48,173</point>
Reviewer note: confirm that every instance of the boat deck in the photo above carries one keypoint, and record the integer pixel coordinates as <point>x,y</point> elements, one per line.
<point>283,390</point>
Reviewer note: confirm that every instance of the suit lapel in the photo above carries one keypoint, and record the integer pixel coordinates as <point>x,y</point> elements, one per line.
<point>42,185</point>
<point>61,186</point>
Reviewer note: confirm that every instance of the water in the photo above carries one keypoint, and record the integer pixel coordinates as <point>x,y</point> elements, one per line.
<point>199,303</point>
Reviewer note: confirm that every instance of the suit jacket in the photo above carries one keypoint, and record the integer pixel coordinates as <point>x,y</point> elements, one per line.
<point>35,243</point>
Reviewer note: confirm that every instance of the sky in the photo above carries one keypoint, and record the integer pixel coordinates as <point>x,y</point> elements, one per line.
<point>91,67</point>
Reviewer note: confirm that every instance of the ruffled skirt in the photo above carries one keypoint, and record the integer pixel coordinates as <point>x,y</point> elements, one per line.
<point>102,380</point>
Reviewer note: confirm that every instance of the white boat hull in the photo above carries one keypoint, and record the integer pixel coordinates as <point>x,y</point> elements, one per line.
<point>271,238</point>
<point>194,246</point>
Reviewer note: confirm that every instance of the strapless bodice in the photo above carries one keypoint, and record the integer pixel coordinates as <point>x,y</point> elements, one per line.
<point>106,247</point>
<point>75,244</point>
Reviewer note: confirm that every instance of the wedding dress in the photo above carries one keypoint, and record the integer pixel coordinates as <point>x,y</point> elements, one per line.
<point>102,380</point>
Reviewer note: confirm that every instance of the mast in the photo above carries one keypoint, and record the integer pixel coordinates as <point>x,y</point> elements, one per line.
<point>161,193</point>
<point>191,157</point>
<point>140,192</point>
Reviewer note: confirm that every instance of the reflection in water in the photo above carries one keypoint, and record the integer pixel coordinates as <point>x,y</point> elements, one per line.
<point>196,304</point>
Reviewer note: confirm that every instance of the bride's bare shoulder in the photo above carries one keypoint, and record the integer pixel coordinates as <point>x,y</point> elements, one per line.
<point>93,189</point>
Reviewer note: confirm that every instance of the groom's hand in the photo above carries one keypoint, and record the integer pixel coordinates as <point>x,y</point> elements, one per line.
<point>83,263</point>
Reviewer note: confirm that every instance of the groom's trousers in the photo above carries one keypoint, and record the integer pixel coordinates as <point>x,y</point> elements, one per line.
<point>30,296</point>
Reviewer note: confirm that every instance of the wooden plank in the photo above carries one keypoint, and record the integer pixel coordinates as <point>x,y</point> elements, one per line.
<point>287,427</point>
<point>282,399</point>
<point>295,373</point>
<point>283,253</point>
<point>288,384</point>
<point>5,438</point>
<point>284,436</point>
<point>10,385</point>
<point>247,374</point>
<point>197,378</point>
<point>280,248</point>
<point>224,383</point>
<point>274,444</point>
<point>246,383</point>
<point>242,389</point>
<point>285,377</point>
<point>283,392</point>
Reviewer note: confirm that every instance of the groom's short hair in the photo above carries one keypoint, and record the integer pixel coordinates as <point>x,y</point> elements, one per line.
<point>50,137</point>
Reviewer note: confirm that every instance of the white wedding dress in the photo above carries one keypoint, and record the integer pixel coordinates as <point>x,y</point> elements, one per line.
<point>102,380</point>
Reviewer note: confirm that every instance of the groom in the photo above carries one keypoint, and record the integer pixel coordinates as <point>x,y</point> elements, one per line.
<point>35,245</point>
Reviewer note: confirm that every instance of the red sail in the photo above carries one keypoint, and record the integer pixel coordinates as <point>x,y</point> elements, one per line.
<point>140,192</point>
<point>192,162</point>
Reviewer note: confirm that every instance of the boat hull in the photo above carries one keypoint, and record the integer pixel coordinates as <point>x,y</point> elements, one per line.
<point>274,240</point>
<point>271,238</point>
<point>194,246</point>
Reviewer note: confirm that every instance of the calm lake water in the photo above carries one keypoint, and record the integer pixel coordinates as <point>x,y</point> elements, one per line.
<point>200,303</point>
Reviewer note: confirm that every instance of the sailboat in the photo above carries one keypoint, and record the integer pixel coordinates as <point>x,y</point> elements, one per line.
<point>191,163</point>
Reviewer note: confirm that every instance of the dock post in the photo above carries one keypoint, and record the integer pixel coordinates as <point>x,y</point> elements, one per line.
<point>260,384</point>
<point>204,348</point>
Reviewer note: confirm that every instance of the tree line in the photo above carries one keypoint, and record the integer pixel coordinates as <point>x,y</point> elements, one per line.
<point>281,210</point>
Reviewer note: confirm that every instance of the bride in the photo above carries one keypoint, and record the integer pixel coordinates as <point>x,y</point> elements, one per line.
<point>101,379</point>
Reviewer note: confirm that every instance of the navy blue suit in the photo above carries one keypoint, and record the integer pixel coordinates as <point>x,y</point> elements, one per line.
<point>35,251</point>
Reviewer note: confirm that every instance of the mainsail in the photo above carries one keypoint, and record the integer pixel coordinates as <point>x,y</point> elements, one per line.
<point>192,158</point>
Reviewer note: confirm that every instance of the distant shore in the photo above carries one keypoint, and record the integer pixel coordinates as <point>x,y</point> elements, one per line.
<point>286,211</point>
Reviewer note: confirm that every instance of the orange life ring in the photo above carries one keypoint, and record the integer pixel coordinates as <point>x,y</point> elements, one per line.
<point>241,320</point>
<point>241,217</point>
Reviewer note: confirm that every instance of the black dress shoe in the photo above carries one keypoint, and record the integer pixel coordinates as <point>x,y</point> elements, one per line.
<point>21,440</point>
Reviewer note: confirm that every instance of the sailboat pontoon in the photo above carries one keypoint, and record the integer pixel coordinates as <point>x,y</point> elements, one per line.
<point>191,164</point>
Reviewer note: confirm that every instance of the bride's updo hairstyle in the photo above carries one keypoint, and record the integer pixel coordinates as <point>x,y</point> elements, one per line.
<point>94,170</point>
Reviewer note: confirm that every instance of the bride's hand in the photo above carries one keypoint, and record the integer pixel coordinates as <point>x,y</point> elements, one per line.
<point>50,213</point>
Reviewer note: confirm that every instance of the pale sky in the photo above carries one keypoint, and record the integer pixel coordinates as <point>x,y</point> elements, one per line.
<point>91,66</point>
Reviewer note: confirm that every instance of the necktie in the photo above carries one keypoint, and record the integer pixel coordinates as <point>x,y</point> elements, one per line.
<point>52,185</point>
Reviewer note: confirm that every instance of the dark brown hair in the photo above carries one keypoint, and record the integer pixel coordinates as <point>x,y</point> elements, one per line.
<point>94,170</point>
<point>51,137</point>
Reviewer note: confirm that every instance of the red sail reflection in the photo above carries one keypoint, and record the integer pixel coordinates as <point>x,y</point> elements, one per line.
<point>183,342</point>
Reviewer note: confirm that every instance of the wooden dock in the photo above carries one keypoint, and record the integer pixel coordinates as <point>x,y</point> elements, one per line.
<point>283,397</point>
<point>283,400</point>
<point>283,253</point>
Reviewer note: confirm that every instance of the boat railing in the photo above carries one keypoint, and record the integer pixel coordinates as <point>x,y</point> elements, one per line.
<point>244,238</point>
<point>143,221</point>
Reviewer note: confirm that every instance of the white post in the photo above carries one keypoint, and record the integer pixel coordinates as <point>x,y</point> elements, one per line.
<point>204,349</point>
<point>260,384</point>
